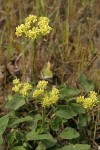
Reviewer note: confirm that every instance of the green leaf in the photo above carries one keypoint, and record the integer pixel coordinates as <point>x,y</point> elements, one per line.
<point>57,147</point>
<point>3,123</point>
<point>82,120</point>
<point>77,147</point>
<point>19,148</point>
<point>49,143</point>
<point>69,133</point>
<point>67,92</point>
<point>64,111</point>
<point>56,123</point>
<point>77,108</point>
<point>11,136</point>
<point>1,140</point>
<point>34,136</point>
<point>70,147</point>
<point>20,120</point>
<point>33,124</point>
<point>86,83</point>
<point>82,147</point>
<point>16,102</point>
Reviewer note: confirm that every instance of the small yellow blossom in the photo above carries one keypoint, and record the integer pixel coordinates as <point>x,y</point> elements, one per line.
<point>21,88</point>
<point>20,30</point>
<point>37,93</point>
<point>93,96</point>
<point>16,81</point>
<point>33,33</point>
<point>31,19</point>
<point>42,84</point>
<point>44,25</point>
<point>90,101</point>
<point>46,101</point>
<point>17,87</point>
<point>87,103</point>
<point>51,99</point>
<point>80,99</point>
<point>25,89</point>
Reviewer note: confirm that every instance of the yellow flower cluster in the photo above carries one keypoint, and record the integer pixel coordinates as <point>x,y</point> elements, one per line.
<point>80,99</point>
<point>17,85</point>
<point>34,27</point>
<point>88,102</point>
<point>25,89</point>
<point>43,25</point>
<point>37,93</point>
<point>52,98</point>
<point>22,88</point>
<point>40,88</point>
<point>42,84</point>
<point>46,99</point>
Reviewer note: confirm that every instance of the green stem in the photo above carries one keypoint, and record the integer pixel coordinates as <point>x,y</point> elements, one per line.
<point>26,103</point>
<point>86,117</point>
<point>33,60</point>
<point>94,133</point>
<point>43,120</point>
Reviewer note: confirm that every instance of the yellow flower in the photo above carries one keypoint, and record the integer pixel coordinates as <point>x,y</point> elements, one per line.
<point>42,84</point>
<point>20,30</point>
<point>44,25</point>
<point>33,33</point>
<point>34,28</point>
<point>16,81</point>
<point>87,103</point>
<point>31,19</point>
<point>17,87</point>
<point>25,89</point>
<point>80,99</point>
<point>45,101</point>
<point>93,96</point>
<point>38,92</point>
<point>51,99</point>
<point>90,101</point>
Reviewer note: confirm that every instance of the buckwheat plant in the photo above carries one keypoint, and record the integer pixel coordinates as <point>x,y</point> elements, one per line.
<point>34,28</point>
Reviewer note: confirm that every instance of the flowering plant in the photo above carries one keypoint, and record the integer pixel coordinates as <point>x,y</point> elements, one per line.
<point>34,28</point>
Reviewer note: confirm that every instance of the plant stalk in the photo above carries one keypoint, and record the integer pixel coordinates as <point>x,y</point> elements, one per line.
<point>33,60</point>
<point>43,119</point>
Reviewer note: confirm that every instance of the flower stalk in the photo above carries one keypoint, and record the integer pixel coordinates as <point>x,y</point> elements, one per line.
<point>33,60</point>
<point>43,120</point>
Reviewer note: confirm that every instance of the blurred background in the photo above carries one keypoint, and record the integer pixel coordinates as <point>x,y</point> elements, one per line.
<point>72,47</point>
